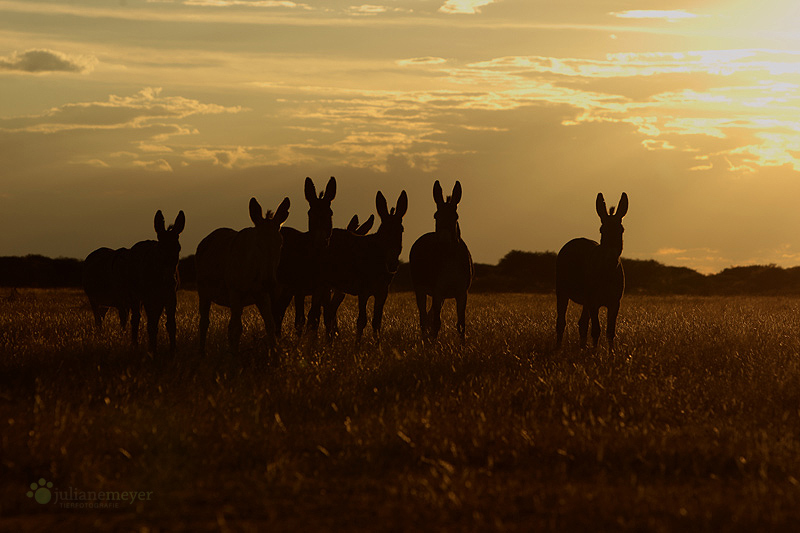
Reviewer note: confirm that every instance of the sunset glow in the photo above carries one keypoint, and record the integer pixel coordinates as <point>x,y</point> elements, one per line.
<point>112,111</point>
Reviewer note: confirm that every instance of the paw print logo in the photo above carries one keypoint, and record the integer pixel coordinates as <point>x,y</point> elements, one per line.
<point>41,491</point>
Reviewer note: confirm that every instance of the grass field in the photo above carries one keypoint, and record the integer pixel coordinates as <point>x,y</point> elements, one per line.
<point>693,424</point>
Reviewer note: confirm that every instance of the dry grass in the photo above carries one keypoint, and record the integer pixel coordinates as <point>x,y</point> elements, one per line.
<point>694,424</point>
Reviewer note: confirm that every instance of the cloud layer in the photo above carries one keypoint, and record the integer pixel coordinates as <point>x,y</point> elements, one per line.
<point>39,61</point>
<point>533,107</point>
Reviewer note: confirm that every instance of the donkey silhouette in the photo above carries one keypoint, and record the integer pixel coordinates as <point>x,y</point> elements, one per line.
<point>441,266</point>
<point>145,275</point>
<point>299,270</point>
<point>591,275</point>
<point>357,229</point>
<point>364,265</point>
<point>239,268</point>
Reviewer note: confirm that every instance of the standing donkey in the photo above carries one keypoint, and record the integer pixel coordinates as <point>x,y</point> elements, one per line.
<point>364,265</point>
<point>144,276</point>
<point>591,275</point>
<point>239,268</point>
<point>441,266</point>
<point>299,273</point>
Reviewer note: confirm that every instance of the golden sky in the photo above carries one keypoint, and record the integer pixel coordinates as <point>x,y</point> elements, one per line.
<point>111,110</point>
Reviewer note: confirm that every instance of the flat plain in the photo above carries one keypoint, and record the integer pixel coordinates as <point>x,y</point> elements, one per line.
<point>693,423</point>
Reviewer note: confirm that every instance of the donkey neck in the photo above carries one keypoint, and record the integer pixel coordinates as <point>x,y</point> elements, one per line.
<point>609,251</point>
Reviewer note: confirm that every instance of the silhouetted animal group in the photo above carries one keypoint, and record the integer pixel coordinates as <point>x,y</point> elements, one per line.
<point>268,266</point>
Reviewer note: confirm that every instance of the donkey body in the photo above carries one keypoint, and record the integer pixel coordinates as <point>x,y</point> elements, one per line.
<point>364,265</point>
<point>441,266</point>
<point>107,282</point>
<point>299,270</point>
<point>144,276</point>
<point>590,274</point>
<point>239,268</point>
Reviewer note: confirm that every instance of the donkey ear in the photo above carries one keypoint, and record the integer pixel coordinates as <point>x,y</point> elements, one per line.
<point>402,205</point>
<point>330,189</point>
<point>456,193</point>
<point>310,190</point>
<point>364,228</point>
<point>282,213</point>
<point>159,223</point>
<point>255,212</point>
<point>602,212</point>
<point>380,204</point>
<point>437,193</point>
<point>622,208</point>
<point>353,224</point>
<point>180,222</point>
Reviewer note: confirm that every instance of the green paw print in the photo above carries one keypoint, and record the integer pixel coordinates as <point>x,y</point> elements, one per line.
<point>41,491</point>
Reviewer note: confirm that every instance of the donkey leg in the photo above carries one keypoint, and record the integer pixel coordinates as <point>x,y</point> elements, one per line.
<point>377,312</point>
<point>461,311</point>
<point>279,304</point>
<point>205,310</point>
<point>264,308</point>
<point>99,313</point>
<point>172,327</point>
<point>136,315</point>
<point>299,313</point>
<point>435,316</point>
<point>318,296</point>
<point>562,302</point>
<point>611,324</point>
<point>123,313</point>
<point>361,321</point>
<point>422,307</point>
<point>583,326</point>
<point>235,326</point>
<point>330,310</point>
<point>594,312</point>
<point>153,312</point>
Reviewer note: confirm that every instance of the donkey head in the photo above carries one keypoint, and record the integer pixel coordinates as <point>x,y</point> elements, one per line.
<point>611,228</point>
<point>168,246</point>
<point>320,215</point>
<point>268,228</point>
<point>447,229</point>
<point>362,229</point>
<point>390,231</point>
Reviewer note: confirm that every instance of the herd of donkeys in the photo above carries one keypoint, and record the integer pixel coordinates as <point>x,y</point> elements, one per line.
<point>268,265</point>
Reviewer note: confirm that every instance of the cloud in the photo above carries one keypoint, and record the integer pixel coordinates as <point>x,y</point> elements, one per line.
<point>670,251</point>
<point>669,15</point>
<point>702,259</point>
<point>465,7</point>
<point>368,9</point>
<point>238,156</point>
<point>244,3</point>
<point>38,61</point>
<point>714,62</point>
<point>147,130</point>
<point>653,145</point>
<point>144,109</point>
<point>159,165</point>
<point>739,100</point>
<point>720,110</point>
<point>421,61</point>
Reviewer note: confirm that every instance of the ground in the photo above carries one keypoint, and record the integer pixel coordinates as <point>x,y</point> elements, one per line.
<point>693,423</point>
